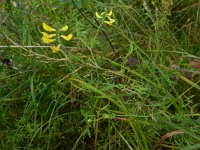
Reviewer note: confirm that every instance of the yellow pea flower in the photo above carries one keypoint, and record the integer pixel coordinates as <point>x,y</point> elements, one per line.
<point>97,15</point>
<point>55,49</point>
<point>68,37</point>
<point>48,28</point>
<point>108,20</point>
<point>55,36</point>
<point>47,40</point>
<point>49,36</point>
<point>110,13</point>
<point>65,28</point>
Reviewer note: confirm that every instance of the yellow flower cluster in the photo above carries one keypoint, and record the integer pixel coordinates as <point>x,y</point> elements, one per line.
<point>106,16</point>
<point>51,35</point>
<point>50,38</point>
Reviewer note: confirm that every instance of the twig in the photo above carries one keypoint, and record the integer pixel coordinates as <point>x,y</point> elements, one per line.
<point>164,137</point>
<point>29,46</point>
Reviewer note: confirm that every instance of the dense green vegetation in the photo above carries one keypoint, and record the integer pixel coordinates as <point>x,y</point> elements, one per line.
<point>119,86</point>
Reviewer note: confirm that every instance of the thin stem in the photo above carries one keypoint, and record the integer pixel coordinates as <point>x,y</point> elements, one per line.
<point>84,15</point>
<point>104,33</point>
<point>106,36</point>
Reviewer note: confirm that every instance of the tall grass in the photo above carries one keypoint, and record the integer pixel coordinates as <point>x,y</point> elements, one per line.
<point>90,97</point>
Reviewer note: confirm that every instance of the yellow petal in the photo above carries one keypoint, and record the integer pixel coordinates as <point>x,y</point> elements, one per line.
<point>65,28</point>
<point>97,15</point>
<point>109,22</point>
<point>103,13</point>
<point>47,41</point>
<point>48,35</point>
<point>48,28</point>
<point>110,13</point>
<point>55,49</point>
<point>110,19</point>
<point>68,37</point>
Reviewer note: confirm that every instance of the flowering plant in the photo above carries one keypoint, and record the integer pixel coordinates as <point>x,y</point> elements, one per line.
<point>54,35</point>
<point>106,17</point>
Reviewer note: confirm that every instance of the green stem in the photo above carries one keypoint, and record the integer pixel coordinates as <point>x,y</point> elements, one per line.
<point>104,33</point>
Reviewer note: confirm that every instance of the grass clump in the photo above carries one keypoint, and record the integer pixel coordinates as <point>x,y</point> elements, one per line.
<point>129,84</point>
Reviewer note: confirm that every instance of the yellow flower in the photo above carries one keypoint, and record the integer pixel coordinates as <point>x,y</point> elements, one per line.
<point>68,37</point>
<point>65,28</point>
<point>110,13</point>
<point>48,28</point>
<point>47,40</point>
<point>97,15</point>
<point>108,20</point>
<point>48,35</point>
<point>55,49</point>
